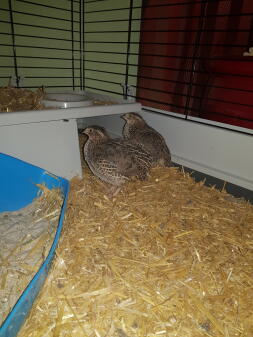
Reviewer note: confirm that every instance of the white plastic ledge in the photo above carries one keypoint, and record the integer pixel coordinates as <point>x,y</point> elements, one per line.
<point>49,138</point>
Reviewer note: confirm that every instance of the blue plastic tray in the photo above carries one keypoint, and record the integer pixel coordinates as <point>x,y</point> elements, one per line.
<point>18,189</point>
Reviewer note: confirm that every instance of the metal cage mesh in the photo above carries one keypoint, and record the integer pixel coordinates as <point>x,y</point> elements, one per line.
<point>181,57</point>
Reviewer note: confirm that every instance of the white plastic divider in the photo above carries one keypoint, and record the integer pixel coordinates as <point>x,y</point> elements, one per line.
<point>49,138</point>
<point>36,116</point>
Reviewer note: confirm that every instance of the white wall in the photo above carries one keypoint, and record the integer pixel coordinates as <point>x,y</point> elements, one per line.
<point>224,154</point>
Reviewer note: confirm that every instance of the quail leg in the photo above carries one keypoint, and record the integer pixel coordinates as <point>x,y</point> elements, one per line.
<point>113,191</point>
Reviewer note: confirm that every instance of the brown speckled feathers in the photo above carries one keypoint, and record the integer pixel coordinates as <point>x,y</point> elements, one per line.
<point>114,161</point>
<point>138,132</point>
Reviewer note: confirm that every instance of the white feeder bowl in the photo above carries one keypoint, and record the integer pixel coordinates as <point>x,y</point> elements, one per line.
<point>62,100</point>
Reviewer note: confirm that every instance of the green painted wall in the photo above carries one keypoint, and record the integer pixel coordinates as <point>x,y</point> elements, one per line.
<point>40,64</point>
<point>115,50</point>
<point>50,67</point>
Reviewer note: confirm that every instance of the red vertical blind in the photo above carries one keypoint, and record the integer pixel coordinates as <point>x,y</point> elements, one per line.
<point>191,59</point>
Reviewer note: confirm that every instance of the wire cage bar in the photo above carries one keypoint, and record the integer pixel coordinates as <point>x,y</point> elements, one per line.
<point>41,44</point>
<point>183,56</point>
<point>190,58</point>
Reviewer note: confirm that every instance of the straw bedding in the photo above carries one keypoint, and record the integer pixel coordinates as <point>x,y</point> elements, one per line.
<point>166,257</point>
<point>16,99</point>
<point>26,236</point>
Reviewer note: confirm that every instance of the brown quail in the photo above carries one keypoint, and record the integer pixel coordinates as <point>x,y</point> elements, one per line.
<point>114,161</point>
<point>138,132</point>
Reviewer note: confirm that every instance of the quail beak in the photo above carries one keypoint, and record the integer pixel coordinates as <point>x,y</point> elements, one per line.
<point>125,117</point>
<point>85,132</point>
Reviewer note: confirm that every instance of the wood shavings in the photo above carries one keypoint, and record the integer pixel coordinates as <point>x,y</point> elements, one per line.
<point>166,257</point>
<point>25,239</point>
<point>16,99</point>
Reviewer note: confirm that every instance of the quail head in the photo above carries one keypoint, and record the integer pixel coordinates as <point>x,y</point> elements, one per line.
<point>114,161</point>
<point>137,131</point>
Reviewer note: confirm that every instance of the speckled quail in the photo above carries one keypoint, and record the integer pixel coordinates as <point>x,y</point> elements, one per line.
<point>137,131</point>
<point>114,161</point>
